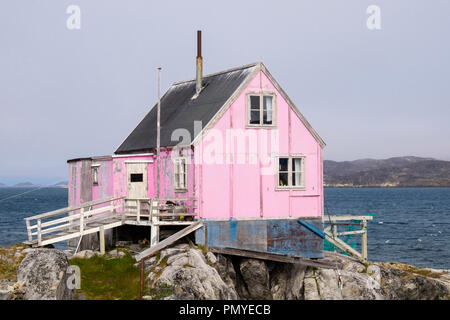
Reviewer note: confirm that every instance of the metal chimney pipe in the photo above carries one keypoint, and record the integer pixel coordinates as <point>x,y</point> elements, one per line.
<point>199,77</point>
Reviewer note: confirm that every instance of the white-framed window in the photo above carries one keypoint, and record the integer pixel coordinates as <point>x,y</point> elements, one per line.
<point>261,110</point>
<point>95,176</point>
<point>291,172</point>
<point>180,174</point>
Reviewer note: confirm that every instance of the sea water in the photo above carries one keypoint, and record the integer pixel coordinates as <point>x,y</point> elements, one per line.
<point>410,225</point>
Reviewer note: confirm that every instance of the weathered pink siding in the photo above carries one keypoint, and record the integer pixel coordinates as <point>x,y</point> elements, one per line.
<point>240,190</point>
<point>224,189</point>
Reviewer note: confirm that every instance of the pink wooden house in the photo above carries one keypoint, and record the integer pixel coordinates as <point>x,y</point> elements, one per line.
<point>235,151</point>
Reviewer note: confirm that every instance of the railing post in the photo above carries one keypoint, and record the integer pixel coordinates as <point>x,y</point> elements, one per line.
<point>30,237</point>
<point>123,210</point>
<point>81,221</point>
<point>364,240</point>
<point>39,234</point>
<point>138,206</point>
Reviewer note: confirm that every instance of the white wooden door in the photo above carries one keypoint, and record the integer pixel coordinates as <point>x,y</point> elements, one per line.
<point>137,180</point>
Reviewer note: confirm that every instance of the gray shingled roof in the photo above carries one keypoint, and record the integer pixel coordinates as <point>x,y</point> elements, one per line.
<point>178,110</point>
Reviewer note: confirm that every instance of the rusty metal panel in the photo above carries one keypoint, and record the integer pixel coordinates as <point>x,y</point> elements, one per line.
<point>290,238</point>
<point>278,236</point>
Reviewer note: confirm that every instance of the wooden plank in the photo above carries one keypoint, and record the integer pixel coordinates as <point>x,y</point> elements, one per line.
<point>345,218</point>
<point>346,233</point>
<point>166,242</point>
<point>342,245</point>
<point>63,237</point>
<point>175,214</point>
<point>72,208</point>
<point>270,256</point>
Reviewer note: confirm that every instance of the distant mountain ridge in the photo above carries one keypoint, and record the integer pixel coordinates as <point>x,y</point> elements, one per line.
<point>25,185</point>
<point>407,171</point>
<point>61,184</point>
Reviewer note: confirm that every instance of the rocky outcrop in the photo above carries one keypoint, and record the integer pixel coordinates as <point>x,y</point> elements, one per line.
<point>182,272</point>
<point>189,273</point>
<point>43,275</point>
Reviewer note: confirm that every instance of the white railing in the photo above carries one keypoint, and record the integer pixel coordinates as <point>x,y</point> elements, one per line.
<point>72,221</point>
<point>161,211</point>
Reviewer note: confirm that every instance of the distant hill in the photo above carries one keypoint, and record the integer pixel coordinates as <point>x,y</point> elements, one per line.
<point>26,185</point>
<point>393,172</point>
<point>61,184</point>
<point>2,185</point>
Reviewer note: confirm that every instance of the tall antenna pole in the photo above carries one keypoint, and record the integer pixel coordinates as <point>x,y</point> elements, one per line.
<point>158,135</point>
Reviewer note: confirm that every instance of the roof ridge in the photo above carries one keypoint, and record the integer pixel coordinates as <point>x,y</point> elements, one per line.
<point>220,72</point>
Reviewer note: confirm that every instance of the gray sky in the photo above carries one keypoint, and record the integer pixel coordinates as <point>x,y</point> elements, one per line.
<point>369,93</point>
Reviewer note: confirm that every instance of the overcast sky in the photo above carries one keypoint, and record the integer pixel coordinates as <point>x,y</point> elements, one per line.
<point>73,93</point>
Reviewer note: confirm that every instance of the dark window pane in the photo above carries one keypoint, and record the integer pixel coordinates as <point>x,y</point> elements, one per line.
<point>296,179</point>
<point>283,179</point>
<point>254,117</point>
<point>267,117</point>
<point>254,102</point>
<point>283,164</point>
<point>136,177</point>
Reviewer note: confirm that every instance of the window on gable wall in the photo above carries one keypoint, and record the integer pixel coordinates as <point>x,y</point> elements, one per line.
<point>180,174</point>
<point>291,172</point>
<point>95,175</point>
<point>261,110</point>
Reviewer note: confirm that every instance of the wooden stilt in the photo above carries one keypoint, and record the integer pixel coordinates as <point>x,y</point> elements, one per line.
<point>102,239</point>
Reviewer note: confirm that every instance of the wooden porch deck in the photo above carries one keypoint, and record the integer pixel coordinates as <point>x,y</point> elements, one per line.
<point>100,215</point>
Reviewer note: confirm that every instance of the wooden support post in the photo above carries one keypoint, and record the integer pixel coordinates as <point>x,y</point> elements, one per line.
<point>39,234</point>
<point>102,239</point>
<point>154,228</point>
<point>364,240</point>
<point>335,235</point>
<point>142,279</point>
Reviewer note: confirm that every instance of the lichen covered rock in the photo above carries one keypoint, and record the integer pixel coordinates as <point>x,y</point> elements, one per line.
<point>187,273</point>
<point>43,275</point>
<point>182,272</point>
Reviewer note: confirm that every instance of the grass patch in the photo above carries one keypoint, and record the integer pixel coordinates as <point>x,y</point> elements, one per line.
<point>9,262</point>
<point>160,292</point>
<point>105,278</point>
<point>203,248</point>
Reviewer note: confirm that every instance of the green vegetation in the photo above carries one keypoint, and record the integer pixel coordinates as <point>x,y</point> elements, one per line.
<point>160,292</point>
<point>9,262</point>
<point>105,278</point>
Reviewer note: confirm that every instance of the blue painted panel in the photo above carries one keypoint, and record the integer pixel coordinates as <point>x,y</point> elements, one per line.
<point>283,236</point>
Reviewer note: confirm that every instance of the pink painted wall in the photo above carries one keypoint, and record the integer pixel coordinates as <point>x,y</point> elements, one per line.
<point>240,190</point>
<point>104,188</point>
<point>226,189</point>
